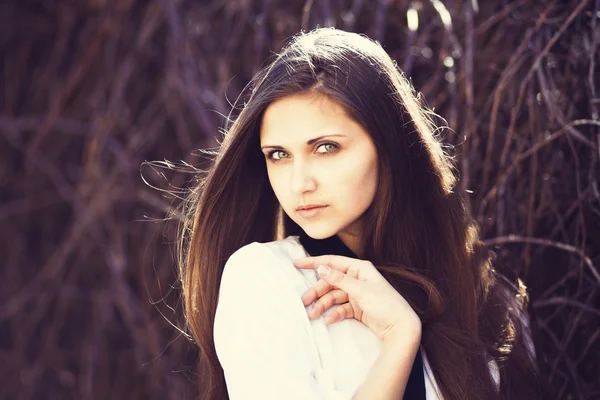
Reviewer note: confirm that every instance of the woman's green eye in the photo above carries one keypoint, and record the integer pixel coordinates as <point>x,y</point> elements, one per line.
<point>334,147</point>
<point>275,152</point>
<point>325,145</point>
<point>271,156</point>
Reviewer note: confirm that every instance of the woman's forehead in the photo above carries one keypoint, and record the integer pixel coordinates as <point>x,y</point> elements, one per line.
<point>304,117</point>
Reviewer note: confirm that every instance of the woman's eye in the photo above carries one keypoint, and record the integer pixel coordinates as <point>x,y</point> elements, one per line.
<point>277,155</point>
<point>334,147</point>
<point>272,154</point>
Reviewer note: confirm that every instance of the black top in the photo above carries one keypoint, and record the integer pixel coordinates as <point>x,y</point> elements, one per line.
<point>415,389</point>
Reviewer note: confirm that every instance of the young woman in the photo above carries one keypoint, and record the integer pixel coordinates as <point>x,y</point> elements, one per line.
<point>333,161</point>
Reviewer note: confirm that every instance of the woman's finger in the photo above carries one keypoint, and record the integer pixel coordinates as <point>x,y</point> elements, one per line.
<point>320,288</point>
<point>315,291</point>
<point>340,280</point>
<point>345,311</point>
<point>340,263</point>
<point>327,301</point>
<point>354,267</point>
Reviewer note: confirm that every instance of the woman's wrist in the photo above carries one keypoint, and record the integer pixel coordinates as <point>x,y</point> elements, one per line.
<point>388,377</point>
<point>405,334</point>
<point>402,345</point>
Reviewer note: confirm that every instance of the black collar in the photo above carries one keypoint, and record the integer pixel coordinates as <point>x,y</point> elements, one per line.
<point>320,247</point>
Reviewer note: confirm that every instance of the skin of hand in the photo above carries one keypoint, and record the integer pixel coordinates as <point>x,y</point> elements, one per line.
<point>363,293</point>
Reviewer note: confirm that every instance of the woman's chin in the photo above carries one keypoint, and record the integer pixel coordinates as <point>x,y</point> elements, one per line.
<point>318,232</point>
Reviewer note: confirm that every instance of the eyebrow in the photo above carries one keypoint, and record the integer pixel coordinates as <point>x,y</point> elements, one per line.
<point>311,141</point>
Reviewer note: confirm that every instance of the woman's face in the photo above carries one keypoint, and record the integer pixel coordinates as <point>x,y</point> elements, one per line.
<point>317,155</point>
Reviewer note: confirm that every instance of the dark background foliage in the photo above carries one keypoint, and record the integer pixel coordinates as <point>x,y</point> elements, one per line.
<point>91,89</point>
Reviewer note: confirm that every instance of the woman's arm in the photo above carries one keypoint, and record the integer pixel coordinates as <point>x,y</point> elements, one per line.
<point>261,334</point>
<point>388,377</point>
<point>261,340</point>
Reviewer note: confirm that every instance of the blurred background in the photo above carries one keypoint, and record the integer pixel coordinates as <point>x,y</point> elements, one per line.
<point>92,89</point>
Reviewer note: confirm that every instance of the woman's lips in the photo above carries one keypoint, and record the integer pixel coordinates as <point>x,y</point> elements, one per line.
<point>310,212</point>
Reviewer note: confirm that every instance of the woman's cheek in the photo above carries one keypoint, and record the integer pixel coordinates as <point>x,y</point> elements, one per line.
<point>280,185</point>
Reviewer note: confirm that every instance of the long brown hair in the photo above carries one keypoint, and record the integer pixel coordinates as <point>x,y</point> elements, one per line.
<point>419,232</point>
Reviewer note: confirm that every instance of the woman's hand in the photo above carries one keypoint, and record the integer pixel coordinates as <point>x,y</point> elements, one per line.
<point>362,293</point>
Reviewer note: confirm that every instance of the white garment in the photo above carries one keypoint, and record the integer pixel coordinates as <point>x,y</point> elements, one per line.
<point>270,349</point>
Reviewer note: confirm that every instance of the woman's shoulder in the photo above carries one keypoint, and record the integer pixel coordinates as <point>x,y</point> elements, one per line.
<point>259,312</point>
<point>257,260</point>
<point>259,252</point>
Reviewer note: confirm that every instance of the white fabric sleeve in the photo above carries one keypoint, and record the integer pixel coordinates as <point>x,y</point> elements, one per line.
<point>260,337</point>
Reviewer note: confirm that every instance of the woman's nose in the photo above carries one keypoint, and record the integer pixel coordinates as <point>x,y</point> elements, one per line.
<point>302,180</point>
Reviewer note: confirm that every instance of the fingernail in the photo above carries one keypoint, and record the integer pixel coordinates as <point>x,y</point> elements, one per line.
<point>323,271</point>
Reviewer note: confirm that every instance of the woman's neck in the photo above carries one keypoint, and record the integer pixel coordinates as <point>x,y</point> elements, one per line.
<point>352,241</point>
